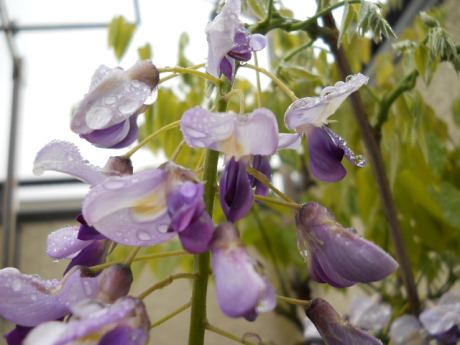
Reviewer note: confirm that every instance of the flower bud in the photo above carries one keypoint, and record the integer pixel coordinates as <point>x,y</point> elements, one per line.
<point>115,283</point>
<point>118,166</point>
<point>335,330</point>
<point>428,20</point>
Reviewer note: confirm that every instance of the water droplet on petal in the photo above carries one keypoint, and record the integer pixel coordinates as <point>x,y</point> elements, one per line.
<point>144,236</point>
<point>163,228</point>
<point>110,100</point>
<point>33,297</point>
<point>128,105</point>
<point>98,117</point>
<point>114,184</point>
<point>87,288</point>
<point>16,285</point>
<point>55,261</point>
<point>359,160</point>
<point>152,97</point>
<point>136,83</point>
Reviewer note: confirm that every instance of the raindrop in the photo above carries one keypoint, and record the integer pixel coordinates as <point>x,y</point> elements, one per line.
<point>144,236</point>
<point>152,97</point>
<point>114,184</point>
<point>33,297</point>
<point>110,100</point>
<point>55,261</point>
<point>16,285</point>
<point>98,117</point>
<point>163,228</point>
<point>128,105</point>
<point>87,288</point>
<point>136,83</point>
<point>359,160</point>
<point>118,233</point>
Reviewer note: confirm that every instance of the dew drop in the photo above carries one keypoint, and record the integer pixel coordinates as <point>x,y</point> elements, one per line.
<point>33,297</point>
<point>128,105</point>
<point>118,233</point>
<point>110,100</point>
<point>359,160</point>
<point>163,228</point>
<point>87,288</point>
<point>55,261</point>
<point>98,117</point>
<point>126,240</point>
<point>114,184</point>
<point>16,285</point>
<point>144,236</point>
<point>136,83</point>
<point>152,97</point>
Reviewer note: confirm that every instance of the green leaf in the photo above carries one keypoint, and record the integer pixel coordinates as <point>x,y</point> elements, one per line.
<point>145,52</point>
<point>259,8</point>
<point>448,198</point>
<point>456,112</point>
<point>297,73</point>
<point>422,60</point>
<point>120,34</point>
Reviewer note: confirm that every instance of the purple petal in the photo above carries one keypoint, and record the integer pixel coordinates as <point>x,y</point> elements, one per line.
<point>357,160</point>
<point>124,336</point>
<point>333,329</point>
<point>28,301</point>
<point>316,110</point>
<point>342,255</point>
<point>289,141</point>
<point>238,284</point>
<point>227,67</point>
<point>236,195</point>
<point>65,157</point>
<point>202,128</point>
<point>196,238</point>
<point>262,164</point>
<point>132,135</point>
<point>86,232</point>
<point>64,244</point>
<point>114,96</point>
<point>94,254</point>
<point>17,335</point>
<point>108,136</point>
<point>130,210</point>
<point>368,314</point>
<point>325,156</point>
<point>407,330</point>
<point>257,42</point>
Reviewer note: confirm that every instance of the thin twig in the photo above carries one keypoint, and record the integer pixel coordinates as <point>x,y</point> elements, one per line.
<point>177,151</point>
<point>228,335</point>
<point>295,301</point>
<point>131,256</point>
<point>165,282</point>
<point>266,181</point>
<point>174,313</point>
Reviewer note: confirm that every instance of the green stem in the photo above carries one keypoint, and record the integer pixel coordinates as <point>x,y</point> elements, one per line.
<point>275,79</point>
<point>177,150</point>
<point>183,70</point>
<point>165,282</point>
<point>141,258</point>
<point>162,80</point>
<point>228,335</point>
<point>151,137</point>
<point>292,205</point>
<point>266,181</point>
<point>298,50</point>
<point>407,84</point>
<point>259,89</point>
<point>174,313</point>
<point>131,256</point>
<point>198,318</point>
<point>295,301</point>
<point>241,95</point>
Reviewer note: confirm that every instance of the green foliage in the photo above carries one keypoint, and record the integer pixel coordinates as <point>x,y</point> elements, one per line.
<point>120,34</point>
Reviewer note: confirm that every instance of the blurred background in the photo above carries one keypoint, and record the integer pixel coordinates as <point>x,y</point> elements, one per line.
<point>49,50</point>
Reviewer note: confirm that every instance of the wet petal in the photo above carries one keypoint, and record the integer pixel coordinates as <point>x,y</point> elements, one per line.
<point>369,314</point>
<point>65,157</point>
<point>325,156</point>
<point>407,330</point>
<point>109,136</point>
<point>316,110</point>
<point>340,253</point>
<point>94,254</point>
<point>357,160</point>
<point>240,287</point>
<point>28,300</point>
<point>196,238</point>
<point>132,135</point>
<point>333,329</point>
<point>236,195</point>
<point>64,244</point>
<point>227,67</point>
<point>130,210</point>
<point>262,164</point>
<point>86,232</point>
<point>289,141</point>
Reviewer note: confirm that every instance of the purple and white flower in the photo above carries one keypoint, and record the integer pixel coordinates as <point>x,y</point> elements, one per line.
<point>310,115</point>
<point>369,314</point>
<point>333,329</point>
<point>244,140</point>
<point>407,330</point>
<point>125,322</point>
<point>241,289</point>
<point>107,115</point>
<point>151,207</point>
<point>28,300</point>
<point>443,320</point>
<point>229,40</point>
<point>338,256</point>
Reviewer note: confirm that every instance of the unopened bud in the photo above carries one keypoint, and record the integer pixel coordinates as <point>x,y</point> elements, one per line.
<point>429,20</point>
<point>146,72</point>
<point>118,166</point>
<point>115,283</point>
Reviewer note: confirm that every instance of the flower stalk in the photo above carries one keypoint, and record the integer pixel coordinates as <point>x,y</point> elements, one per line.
<point>228,335</point>
<point>171,315</point>
<point>182,70</point>
<point>165,282</point>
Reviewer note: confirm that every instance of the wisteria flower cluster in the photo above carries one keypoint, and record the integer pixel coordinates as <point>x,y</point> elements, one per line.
<point>91,304</point>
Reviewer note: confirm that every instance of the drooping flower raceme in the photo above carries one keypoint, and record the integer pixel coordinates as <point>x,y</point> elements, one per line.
<point>443,320</point>
<point>241,289</point>
<point>28,300</point>
<point>244,139</point>
<point>335,330</point>
<point>310,115</point>
<point>369,314</point>
<point>229,40</point>
<point>151,207</point>
<point>335,255</point>
<point>407,330</point>
<point>96,323</point>
<point>107,115</point>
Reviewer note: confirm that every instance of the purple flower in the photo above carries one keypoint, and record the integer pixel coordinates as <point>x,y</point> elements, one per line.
<point>229,40</point>
<point>150,208</point>
<point>369,314</point>
<point>114,283</point>
<point>241,289</point>
<point>17,335</point>
<point>407,330</point>
<point>124,322</point>
<point>28,300</point>
<point>443,320</point>
<point>310,117</point>
<point>106,117</point>
<point>338,256</point>
<point>333,329</point>
<point>244,140</point>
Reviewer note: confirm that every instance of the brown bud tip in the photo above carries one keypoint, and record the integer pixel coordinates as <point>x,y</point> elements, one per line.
<point>146,72</point>
<point>118,166</point>
<point>115,282</point>
<point>226,235</point>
